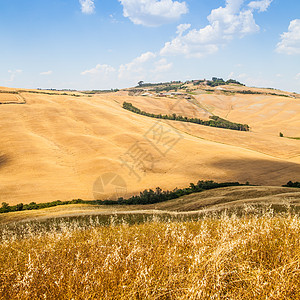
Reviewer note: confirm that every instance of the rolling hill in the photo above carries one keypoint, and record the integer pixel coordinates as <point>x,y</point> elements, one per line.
<point>57,144</point>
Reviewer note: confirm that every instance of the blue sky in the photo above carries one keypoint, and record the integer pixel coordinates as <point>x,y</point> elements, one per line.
<point>103,44</point>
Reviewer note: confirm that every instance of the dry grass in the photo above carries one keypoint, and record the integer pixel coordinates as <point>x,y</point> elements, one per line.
<point>10,98</point>
<point>212,258</point>
<point>57,146</point>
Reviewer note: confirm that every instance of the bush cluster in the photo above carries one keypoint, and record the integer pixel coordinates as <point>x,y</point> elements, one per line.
<point>220,81</point>
<point>295,184</point>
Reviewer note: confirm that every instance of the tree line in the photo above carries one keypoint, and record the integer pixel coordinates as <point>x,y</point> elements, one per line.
<point>158,195</point>
<point>220,81</point>
<point>216,82</point>
<point>292,184</point>
<point>146,197</point>
<point>214,121</point>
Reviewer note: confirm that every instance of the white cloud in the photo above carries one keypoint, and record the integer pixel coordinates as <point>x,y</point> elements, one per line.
<point>162,66</point>
<point>46,73</point>
<point>261,6</point>
<point>87,6</point>
<point>103,70</point>
<point>290,41</point>
<point>144,57</point>
<point>182,28</point>
<point>136,66</point>
<point>153,12</point>
<point>298,76</point>
<point>225,23</point>
<point>13,74</point>
<point>146,67</point>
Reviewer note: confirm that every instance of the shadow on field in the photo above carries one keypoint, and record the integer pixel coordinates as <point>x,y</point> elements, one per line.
<point>259,171</point>
<point>3,160</point>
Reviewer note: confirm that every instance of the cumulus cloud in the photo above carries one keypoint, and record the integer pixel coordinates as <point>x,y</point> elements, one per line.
<point>103,70</point>
<point>87,6</point>
<point>182,28</point>
<point>225,23</point>
<point>148,66</point>
<point>46,73</point>
<point>136,66</point>
<point>261,6</point>
<point>290,41</point>
<point>153,12</point>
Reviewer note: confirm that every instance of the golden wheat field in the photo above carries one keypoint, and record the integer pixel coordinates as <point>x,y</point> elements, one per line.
<point>209,258</point>
<point>56,145</point>
<point>10,98</point>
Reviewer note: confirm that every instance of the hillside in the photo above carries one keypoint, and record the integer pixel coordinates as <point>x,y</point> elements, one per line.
<point>57,144</point>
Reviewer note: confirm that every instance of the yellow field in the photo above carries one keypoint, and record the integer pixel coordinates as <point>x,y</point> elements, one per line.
<point>226,258</point>
<point>7,98</point>
<point>54,147</point>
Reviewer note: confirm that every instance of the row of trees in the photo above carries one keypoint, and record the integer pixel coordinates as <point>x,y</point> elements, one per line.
<point>214,122</point>
<point>217,81</point>
<point>292,184</point>
<point>150,196</point>
<point>33,205</point>
<point>213,82</point>
<point>147,84</point>
<point>101,91</point>
<point>167,88</point>
<point>146,197</point>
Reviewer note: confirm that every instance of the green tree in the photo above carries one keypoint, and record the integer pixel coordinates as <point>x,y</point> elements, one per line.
<point>19,207</point>
<point>5,207</point>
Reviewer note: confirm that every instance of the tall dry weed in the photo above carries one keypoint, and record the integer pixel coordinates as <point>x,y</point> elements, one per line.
<point>212,258</point>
